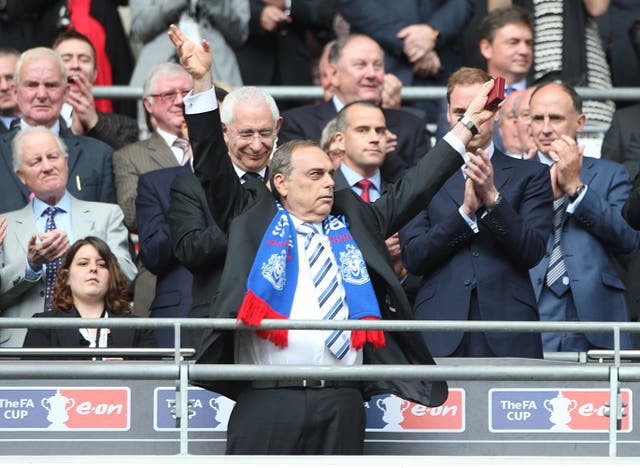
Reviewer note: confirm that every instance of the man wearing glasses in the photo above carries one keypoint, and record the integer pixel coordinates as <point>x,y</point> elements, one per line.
<point>168,146</point>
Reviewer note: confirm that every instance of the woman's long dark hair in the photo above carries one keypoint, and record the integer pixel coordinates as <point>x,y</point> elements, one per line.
<point>117,298</point>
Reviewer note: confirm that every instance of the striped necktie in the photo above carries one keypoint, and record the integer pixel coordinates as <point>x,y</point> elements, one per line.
<point>51,269</point>
<point>183,144</point>
<point>557,280</point>
<point>324,274</point>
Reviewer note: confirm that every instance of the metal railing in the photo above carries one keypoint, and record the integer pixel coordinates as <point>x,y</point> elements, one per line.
<point>424,93</point>
<point>182,371</point>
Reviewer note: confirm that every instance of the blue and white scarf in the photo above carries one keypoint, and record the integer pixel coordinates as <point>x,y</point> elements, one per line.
<point>273,279</point>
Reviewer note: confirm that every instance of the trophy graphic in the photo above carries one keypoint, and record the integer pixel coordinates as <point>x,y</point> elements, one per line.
<point>223,407</point>
<point>392,408</point>
<point>560,407</point>
<point>58,407</point>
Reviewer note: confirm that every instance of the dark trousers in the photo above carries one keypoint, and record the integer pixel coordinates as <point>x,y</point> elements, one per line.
<point>283,421</point>
<point>474,344</point>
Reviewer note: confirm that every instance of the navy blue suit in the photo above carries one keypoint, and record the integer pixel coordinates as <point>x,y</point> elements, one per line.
<point>90,171</point>
<point>173,287</point>
<point>440,245</point>
<point>590,236</point>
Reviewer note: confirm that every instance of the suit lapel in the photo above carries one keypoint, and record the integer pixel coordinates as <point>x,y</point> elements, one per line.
<point>82,219</point>
<point>502,168</point>
<point>25,226</point>
<point>160,153</point>
<point>73,147</point>
<point>455,187</point>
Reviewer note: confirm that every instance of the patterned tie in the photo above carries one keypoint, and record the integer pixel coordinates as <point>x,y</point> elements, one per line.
<point>183,144</point>
<point>52,267</point>
<point>364,185</point>
<point>556,271</point>
<point>325,277</point>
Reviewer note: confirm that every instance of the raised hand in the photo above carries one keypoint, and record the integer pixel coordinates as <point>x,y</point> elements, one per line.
<point>196,59</point>
<point>480,171</point>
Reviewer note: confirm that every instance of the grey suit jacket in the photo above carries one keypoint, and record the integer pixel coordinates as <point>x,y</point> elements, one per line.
<point>133,160</point>
<point>22,298</point>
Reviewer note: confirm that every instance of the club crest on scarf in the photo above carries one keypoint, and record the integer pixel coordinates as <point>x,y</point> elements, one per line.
<point>273,278</point>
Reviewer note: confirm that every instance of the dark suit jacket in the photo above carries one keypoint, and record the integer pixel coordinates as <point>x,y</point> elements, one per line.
<point>116,130</point>
<point>376,19</point>
<point>90,163</point>
<point>245,211</point>
<point>71,338</point>
<point>622,144</point>
<point>283,57</point>
<point>307,122</point>
<point>590,237</point>
<point>198,243</point>
<point>512,237</point>
<point>173,287</point>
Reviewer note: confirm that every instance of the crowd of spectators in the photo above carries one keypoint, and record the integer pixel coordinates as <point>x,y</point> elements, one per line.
<point>53,53</point>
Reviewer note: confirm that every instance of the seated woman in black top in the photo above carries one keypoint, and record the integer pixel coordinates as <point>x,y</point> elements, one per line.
<point>89,284</point>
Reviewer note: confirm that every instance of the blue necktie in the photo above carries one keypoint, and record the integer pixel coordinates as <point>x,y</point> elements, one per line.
<point>324,274</point>
<point>52,267</point>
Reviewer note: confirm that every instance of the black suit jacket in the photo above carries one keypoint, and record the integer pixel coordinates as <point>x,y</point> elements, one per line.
<point>512,238</point>
<point>307,122</point>
<point>71,338</point>
<point>116,130</point>
<point>244,213</point>
<point>90,171</point>
<point>198,243</point>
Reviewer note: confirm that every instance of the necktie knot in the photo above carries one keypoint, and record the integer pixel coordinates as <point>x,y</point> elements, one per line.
<point>183,144</point>
<point>365,185</point>
<point>247,176</point>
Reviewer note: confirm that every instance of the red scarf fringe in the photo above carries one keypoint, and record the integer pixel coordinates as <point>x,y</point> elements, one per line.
<point>254,309</point>
<point>375,337</point>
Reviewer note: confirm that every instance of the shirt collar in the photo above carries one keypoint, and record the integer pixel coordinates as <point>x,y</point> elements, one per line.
<point>64,204</point>
<point>353,177</point>
<point>240,172</point>
<point>55,129</point>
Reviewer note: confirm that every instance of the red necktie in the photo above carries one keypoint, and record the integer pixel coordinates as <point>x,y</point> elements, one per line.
<point>364,185</point>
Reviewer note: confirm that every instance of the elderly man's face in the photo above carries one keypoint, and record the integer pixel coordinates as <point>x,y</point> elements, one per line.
<point>251,135</point>
<point>165,103</point>
<point>41,91</point>
<point>359,74</point>
<point>44,168</point>
<point>508,124</point>
<point>553,115</point>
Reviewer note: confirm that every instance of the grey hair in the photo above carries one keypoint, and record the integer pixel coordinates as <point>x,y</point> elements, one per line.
<point>16,144</point>
<point>328,134</point>
<point>342,121</point>
<point>282,162</point>
<point>251,94</point>
<point>165,69</point>
<point>39,53</point>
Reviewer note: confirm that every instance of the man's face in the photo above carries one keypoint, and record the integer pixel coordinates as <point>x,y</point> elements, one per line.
<point>553,115</point>
<point>523,123</point>
<point>165,102</point>
<point>511,52</point>
<point>308,192</point>
<point>326,74</point>
<point>44,168</point>
<point>459,100</point>
<point>78,58</point>
<point>8,105</point>
<point>364,140</point>
<point>508,124</point>
<point>251,135</point>
<point>359,73</point>
<point>41,91</point>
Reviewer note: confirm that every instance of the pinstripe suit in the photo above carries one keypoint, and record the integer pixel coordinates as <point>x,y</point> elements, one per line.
<point>133,160</point>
